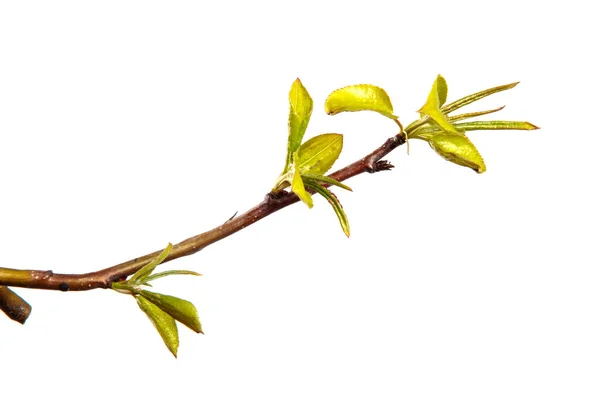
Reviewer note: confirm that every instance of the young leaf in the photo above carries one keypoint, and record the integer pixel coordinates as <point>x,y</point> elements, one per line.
<point>163,322</point>
<point>317,155</point>
<point>298,184</point>
<point>301,106</point>
<point>442,89</point>
<point>460,117</point>
<point>459,150</point>
<point>448,108</point>
<point>182,310</point>
<point>432,106</point>
<point>167,273</point>
<point>147,269</point>
<point>360,98</point>
<point>496,125</point>
<point>315,179</point>
<point>335,204</point>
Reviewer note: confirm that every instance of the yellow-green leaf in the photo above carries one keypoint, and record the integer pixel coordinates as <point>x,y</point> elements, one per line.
<point>317,155</point>
<point>474,114</point>
<point>459,150</point>
<point>432,106</point>
<point>163,322</point>
<point>148,268</point>
<point>496,125</point>
<point>442,89</point>
<point>335,204</point>
<point>182,310</point>
<point>301,106</point>
<point>168,273</point>
<point>316,179</point>
<point>360,98</point>
<point>298,184</point>
<point>455,105</point>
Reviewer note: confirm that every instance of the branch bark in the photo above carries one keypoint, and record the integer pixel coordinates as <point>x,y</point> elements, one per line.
<point>38,279</point>
<point>13,305</point>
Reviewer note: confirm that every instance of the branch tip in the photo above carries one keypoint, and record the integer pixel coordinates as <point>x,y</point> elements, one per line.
<point>13,305</point>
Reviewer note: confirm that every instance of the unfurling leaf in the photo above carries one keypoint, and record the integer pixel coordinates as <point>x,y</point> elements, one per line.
<point>163,322</point>
<point>168,273</point>
<point>335,204</point>
<point>442,89</point>
<point>432,106</point>
<point>427,132</point>
<point>496,125</point>
<point>182,310</point>
<point>147,269</point>
<point>324,179</point>
<point>298,184</point>
<point>460,117</point>
<point>317,155</point>
<point>455,105</point>
<point>459,150</point>
<point>360,98</point>
<point>301,106</point>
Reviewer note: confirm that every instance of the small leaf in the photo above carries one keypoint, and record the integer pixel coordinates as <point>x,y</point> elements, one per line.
<point>163,322</point>
<point>335,204</point>
<point>148,268</point>
<point>324,179</point>
<point>460,117</point>
<point>432,106</point>
<point>182,310</point>
<point>459,150</point>
<point>317,155</point>
<point>298,184</point>
<point>360,98</point>
<point>496,125</point>
<point>442,89</point>
<point>448,108</point>
<point>301,106</point>
<point>167,273</point>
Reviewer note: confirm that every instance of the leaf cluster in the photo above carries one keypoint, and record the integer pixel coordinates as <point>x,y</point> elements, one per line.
<point>447,136</point>
<point>162,310</point>
<point>308,162</point>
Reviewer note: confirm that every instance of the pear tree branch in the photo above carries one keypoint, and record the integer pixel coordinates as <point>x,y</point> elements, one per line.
<point>273,202</point>
<point>306,164</point>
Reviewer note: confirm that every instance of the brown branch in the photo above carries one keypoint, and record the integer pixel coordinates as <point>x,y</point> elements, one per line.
<point>13,305</point>
<point>271,203</point>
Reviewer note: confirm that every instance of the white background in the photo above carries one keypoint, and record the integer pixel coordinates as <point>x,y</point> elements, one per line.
<point>125,125</point>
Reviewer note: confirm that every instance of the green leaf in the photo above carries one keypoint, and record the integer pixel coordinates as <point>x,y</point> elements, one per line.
<point>182,310</point>
<point>167,273</point>
<point>335,204</point>
<point>427,132</point>
<point>496,125</point>
<point>298,184</point>
<point>442,89</point>
<point>460,117</point>
<point>360,98</point>
<point>148,268</point>
<point>301,106</point>
<point>315,179</point>
<point>448,108</point>
<point>432,106</point>
<point>317,155</point>
<point>459,150</point>
<point>163,322</point>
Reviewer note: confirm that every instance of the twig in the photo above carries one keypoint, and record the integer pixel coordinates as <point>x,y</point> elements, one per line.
<point>13,305</point>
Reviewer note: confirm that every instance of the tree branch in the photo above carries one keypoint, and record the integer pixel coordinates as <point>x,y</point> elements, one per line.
<point>272,202</point>
<point>13,305</point>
